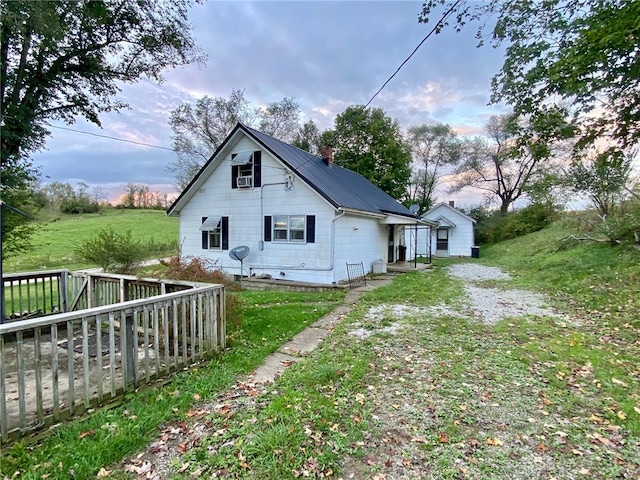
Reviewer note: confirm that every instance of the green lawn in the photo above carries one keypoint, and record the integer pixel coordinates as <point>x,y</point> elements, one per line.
<point>55,241</point>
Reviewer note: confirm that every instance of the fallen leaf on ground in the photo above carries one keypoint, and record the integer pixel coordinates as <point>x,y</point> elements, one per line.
<point>496,442</point>
<point>619,383</point>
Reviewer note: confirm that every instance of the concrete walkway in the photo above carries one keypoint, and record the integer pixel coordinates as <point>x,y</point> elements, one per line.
<point>309,339</point>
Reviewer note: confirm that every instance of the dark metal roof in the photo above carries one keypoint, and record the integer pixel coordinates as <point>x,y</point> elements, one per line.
<point>342,187</point>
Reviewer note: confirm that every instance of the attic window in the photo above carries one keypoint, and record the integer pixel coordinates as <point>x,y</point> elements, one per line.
<point>246,169</point>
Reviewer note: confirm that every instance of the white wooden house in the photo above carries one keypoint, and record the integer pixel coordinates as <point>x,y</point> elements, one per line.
<point>453,237</point>
<point>302,217</point>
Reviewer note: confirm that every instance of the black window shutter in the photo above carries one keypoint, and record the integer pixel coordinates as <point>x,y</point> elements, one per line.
<point>311,228</point>
<point>225,233</point>
<point>205,237</point>
<point>257,168</point>
<point>267,228</point>
<point>234,175</point>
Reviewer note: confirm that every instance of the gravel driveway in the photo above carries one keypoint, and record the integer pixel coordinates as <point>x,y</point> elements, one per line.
<point>491,304</point>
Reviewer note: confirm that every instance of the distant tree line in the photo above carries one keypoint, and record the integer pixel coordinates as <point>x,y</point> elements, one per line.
<point>138,195</point>
<point>62,197</point>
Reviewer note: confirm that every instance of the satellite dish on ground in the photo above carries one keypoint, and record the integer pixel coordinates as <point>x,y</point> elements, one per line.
<point>414,208</point>
<point>239,253</point>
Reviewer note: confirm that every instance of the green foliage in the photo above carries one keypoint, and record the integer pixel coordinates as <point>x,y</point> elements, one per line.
<point>371,144</point>
<point>514,156</point>
<point>575,56</point>
<point>603,178</point>
<point>498,226</point>
<point>308,137</point>
<point>111,250</point>
<point>61,60</point>
<point>623,227</point>
<point>433,148</point>
<point>192,269</point>
<point>79,449</point>
<point>52,241</point>
<point>17,193</point>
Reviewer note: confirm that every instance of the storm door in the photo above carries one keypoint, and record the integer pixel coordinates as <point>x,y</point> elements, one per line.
<point>391,249</point>
<point>442,242</point>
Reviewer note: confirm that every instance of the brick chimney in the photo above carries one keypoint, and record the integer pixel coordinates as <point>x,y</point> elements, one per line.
<point>327,155</point>
<point>452,203</point>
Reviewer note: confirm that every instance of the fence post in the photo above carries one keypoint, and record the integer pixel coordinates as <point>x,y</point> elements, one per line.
<point>89,291</point>
<point>63,291</point>
<point>131,350</point>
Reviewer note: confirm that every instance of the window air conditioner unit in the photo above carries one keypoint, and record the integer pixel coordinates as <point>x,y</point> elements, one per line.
<point>245,182</point>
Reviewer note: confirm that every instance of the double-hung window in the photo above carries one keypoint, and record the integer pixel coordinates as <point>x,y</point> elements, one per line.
<point>246,170</point>
<point>290,228</point>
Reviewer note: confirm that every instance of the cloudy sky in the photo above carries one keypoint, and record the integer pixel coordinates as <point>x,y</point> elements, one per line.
<point>326,55</point>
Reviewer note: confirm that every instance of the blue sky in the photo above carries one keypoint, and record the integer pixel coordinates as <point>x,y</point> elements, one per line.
<point>326,55</point>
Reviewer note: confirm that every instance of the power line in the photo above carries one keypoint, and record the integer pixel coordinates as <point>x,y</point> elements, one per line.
<point>112,138</point>
<point>442,19</point>
<point>435,28</point>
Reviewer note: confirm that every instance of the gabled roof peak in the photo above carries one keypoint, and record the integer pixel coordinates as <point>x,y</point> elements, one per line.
<point>341,187</point>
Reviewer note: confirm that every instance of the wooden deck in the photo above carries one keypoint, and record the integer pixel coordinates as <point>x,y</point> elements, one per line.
<point>62,364</point>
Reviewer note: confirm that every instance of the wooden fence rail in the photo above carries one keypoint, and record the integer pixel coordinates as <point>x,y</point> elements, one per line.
<point>61,365</point>
<point>33,294</point>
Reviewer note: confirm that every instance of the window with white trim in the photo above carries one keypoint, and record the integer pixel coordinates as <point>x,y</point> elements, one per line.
<point>289,228</point>
<point>246,169</point>
<point>215,235</point>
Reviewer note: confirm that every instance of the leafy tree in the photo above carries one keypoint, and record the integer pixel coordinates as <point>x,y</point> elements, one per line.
<point>130,195</point>
<point>509,159</point>
<point>63,59</point>
<point>605,179</point>
<point>200,128</point>
<point>434,147</point>
<point>577,56</point>
<point>280,119</point>
<point>63,197</point>
<point>371,143</point>
<point>308,138</point>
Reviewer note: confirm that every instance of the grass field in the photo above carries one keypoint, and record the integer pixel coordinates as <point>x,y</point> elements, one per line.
<point>54,242</point>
